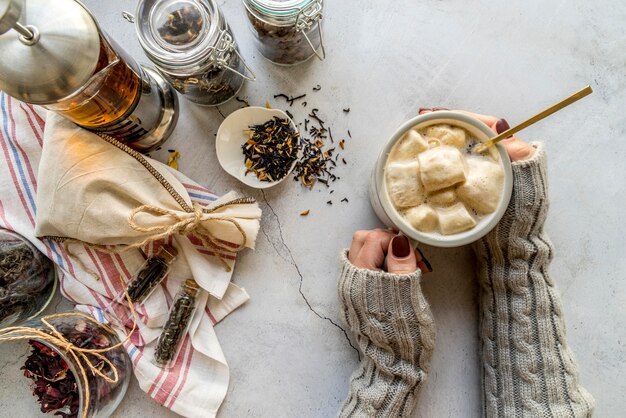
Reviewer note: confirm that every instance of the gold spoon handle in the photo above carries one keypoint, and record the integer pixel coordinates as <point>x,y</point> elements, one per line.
<point>539,116</point>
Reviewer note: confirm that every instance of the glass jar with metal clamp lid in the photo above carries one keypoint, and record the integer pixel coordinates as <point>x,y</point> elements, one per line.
<point>287,32</point>
<point>192,46</point>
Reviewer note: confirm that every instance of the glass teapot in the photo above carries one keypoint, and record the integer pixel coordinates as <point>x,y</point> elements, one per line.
<point>61,59</point>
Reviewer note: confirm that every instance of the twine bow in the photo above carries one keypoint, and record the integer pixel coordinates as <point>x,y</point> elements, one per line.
<point>185,225</point>
<point>79,354</point>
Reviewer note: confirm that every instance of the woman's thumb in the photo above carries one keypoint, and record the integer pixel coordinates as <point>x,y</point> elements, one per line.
<point>401,257</point>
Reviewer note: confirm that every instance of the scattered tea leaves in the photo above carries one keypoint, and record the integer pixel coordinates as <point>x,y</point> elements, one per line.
<point>314,115</point>
<point>244,101</point>
<point>288,99</point>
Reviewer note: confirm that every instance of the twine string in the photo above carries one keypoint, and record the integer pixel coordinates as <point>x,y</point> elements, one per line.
<point>188,225</point>
<point>183,225</point>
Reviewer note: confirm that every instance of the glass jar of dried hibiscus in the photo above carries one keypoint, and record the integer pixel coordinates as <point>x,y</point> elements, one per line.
<point>287,32</point>
<point>61,378</point>
<point>192,45</point>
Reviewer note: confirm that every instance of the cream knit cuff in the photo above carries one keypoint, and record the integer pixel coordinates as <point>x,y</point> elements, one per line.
<point>394,330</point>
<point>528,369</point>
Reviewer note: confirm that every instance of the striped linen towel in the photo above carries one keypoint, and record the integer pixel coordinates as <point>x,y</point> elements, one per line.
<point>197,384</point>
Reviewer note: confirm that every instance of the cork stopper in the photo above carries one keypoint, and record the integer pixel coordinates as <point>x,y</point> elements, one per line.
<point>191,287</point>
<point>168,253</point>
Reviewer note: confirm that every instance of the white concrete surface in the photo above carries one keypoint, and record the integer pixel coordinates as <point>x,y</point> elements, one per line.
<point>386,59</point>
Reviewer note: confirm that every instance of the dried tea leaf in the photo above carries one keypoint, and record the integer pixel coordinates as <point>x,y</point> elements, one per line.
<point>305,213</point>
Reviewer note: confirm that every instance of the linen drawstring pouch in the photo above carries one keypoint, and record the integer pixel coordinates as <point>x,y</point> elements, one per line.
<point>96,191</point>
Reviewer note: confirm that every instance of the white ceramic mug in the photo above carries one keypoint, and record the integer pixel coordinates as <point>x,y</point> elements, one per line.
<point>388,214</point>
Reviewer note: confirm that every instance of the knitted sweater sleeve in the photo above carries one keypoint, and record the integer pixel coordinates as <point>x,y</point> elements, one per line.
<point>395,331</point>
<point>527,366</point>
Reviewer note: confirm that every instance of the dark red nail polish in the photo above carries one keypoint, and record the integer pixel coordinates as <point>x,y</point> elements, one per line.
<point>400,246</point>
<point>502,125</point>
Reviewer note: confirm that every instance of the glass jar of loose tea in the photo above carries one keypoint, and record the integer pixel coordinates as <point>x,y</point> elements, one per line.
<point>287,32</point>
<point>27,280</point>
<point>54,374</point>
<point>192,45</point>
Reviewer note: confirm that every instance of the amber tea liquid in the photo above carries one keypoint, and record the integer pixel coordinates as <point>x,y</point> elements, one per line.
<point>108,97</point>
<point>120,100</point>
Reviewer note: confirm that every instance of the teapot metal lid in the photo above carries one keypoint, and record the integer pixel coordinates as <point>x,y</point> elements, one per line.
<point>49,49</point>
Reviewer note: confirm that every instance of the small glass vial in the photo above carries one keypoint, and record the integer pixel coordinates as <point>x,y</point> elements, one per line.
<point>151,274</point>
<point>177,325</point>
<point>192,46</point>
<point>287,32</point>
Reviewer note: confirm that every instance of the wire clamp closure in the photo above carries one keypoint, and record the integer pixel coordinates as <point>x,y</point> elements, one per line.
<point>307,17</point>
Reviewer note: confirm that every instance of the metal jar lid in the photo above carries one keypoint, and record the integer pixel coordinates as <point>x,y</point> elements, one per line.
<point>184,37</point>
<point>53,49</point>
<point>178,33</point>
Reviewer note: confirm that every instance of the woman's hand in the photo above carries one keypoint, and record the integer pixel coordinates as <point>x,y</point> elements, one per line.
<point>518,150</point>
<point>369,249</point>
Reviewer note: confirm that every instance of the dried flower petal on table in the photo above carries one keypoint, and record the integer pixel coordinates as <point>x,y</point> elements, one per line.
<point>172,160</point>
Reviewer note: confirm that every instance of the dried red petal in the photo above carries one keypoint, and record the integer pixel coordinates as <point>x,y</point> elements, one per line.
<point>54,385</point>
